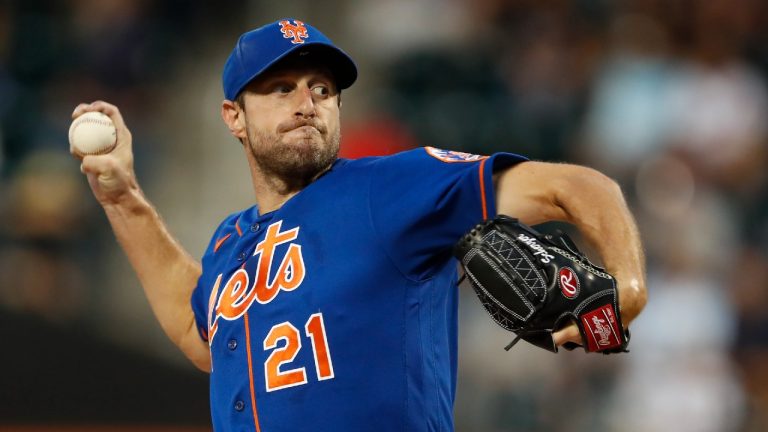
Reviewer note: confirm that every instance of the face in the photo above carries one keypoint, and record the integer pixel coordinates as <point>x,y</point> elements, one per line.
<point>292,122</point>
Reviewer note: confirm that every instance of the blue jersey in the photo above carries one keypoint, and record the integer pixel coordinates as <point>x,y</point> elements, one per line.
<point>337,312</point>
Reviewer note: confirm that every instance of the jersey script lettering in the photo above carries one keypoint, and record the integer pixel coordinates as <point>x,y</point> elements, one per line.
<point>242,289</point>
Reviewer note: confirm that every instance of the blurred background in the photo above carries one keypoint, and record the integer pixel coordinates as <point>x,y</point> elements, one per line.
<point>667,96</point>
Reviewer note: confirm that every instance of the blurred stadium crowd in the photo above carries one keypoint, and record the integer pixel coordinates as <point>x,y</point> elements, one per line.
<point>670,97</point>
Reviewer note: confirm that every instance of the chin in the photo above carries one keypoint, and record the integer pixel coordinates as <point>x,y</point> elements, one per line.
<point>296,159</point>
<point>308,145</point>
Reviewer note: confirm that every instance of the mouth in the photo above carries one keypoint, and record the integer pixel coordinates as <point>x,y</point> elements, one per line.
<point>303,132</point>
<point>305,129</point>
<point>302,126</point>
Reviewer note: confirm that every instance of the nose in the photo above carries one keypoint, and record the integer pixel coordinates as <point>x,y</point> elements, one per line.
<point>306,103</point>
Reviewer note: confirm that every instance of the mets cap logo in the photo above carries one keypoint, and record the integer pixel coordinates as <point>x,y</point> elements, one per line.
<point>453,156</point>
<point>296,31</point>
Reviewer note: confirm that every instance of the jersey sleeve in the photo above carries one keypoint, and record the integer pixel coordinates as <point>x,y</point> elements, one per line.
<point>422,201</point>
<point>202,292</point>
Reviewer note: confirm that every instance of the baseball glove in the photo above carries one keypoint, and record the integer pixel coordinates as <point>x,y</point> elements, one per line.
<point>533,284</point>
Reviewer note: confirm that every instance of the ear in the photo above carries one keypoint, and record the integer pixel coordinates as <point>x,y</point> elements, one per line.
<point>234,117</point>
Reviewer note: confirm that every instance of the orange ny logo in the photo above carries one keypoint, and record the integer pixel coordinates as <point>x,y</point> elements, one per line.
<point>296,31</point>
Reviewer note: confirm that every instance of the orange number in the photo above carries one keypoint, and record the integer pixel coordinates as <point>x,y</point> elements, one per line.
<point>275,378</point>
<point>316,331</point>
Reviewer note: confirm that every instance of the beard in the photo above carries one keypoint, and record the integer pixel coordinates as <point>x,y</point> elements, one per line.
<point>294,162</point>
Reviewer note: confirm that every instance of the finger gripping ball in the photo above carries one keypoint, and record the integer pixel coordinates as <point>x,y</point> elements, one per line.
<point>92,133</point>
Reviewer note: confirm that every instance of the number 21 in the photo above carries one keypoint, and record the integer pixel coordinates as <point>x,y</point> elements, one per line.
<point>277,379</point>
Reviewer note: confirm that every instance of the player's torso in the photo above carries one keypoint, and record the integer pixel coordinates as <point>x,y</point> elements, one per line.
<point>313,328</point>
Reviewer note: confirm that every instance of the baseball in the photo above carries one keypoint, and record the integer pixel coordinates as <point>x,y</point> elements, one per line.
<point>92,133</point>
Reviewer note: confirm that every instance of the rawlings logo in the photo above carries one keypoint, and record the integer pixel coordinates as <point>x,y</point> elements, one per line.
<point>240,292</point>
<point>601,328</point>
<point>296,31</point>
<point>536,248</point>
<point>569,282</point>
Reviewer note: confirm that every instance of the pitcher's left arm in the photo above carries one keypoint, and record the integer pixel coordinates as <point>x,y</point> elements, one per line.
<point>537,192</point>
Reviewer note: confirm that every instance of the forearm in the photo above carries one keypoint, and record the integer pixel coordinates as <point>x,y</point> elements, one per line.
<point>596,206</point>
<point>537,192</point>
<point>166,271</point>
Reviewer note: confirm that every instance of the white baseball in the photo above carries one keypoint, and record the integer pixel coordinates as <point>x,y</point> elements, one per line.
<point>92,133</point>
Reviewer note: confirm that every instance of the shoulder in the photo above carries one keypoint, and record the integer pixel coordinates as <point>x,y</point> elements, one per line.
<point>418,155</point>
<point>428,160</point>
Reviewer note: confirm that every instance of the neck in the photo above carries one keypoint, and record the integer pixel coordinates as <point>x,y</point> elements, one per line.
<point>271,191</point>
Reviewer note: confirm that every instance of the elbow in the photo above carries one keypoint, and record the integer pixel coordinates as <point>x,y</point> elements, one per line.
<point>632,300</point>
<point>195,349</point>
<point>592,180</point>
<point>611,186</point>
<point>203,365</point>
<point>641,299</point>
<point>582,187</point>
<point>201,359</point>
<point>638,300</point>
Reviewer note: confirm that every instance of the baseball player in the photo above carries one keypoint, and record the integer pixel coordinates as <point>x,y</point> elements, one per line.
<point>331,303</point>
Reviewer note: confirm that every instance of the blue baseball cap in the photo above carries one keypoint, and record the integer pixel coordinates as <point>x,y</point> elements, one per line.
<point>261,48</point>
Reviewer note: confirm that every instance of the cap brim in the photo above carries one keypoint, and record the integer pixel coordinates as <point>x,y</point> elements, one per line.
<point>337,61</point>
<point>340,64</point>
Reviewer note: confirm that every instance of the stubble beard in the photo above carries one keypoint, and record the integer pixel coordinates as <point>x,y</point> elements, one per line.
<point>291,166</point>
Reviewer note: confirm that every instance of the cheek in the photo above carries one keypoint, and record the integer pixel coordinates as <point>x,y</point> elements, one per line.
<point>263,121</point>
<point>331,117</point>
<point>266,112</point>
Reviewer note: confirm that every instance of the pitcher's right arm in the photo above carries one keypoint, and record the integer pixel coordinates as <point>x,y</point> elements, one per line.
<point>166,271</point>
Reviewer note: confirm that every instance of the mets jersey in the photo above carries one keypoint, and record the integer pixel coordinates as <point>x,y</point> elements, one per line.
<point>337,311</point>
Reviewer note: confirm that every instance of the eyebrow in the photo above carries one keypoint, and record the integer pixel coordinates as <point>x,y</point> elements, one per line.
<point>277,77</point>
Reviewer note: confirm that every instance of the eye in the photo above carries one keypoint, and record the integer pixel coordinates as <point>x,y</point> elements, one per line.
<point>281,88</point>
<point>321,90</point>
